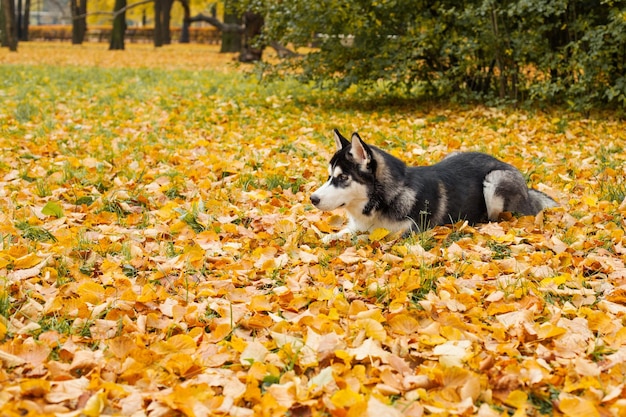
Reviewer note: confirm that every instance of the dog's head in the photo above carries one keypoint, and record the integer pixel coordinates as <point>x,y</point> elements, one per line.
<point>350,169</point>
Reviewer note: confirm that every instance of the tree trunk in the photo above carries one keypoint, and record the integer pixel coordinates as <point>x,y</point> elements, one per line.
<point>26,22</point>
<point>3,37</point>
<point>9,29</point>
<point>251,50</point>
<point>21,19</point>
<point>165,27</point>
<point>119,26</point>
<point>231,41</point>
<point>162,14</point>
<point>158,23</point>
<point>18,19</point>
<point>79,20</point>
<point>184,32</point>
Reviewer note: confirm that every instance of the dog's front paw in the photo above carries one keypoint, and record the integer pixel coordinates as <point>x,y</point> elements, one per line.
<point>330,238</point>
<point>336,236</point>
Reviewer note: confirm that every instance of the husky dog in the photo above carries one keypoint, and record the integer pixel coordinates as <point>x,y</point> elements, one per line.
<point>380,191</point>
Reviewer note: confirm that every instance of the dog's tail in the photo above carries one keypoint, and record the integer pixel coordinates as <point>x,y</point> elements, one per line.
<point>540,201</point>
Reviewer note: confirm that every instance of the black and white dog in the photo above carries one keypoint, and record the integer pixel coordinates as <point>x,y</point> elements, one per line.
<point>380,191</point>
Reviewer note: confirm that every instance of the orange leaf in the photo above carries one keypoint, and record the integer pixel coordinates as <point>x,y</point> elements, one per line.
<point>378,234</point>
<point>576,407</point>
<point>261,303</point>
<point>90,292</point>
<point>345,398</point>
<point>404,324</point>
<point>548,330</point>
<point>34,387</point>
<point>182,343</point>
<point>372,328</point>
<point>27,261</point>
<point>517,399</point>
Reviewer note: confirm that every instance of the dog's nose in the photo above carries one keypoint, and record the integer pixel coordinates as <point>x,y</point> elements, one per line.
<point>315,200</point>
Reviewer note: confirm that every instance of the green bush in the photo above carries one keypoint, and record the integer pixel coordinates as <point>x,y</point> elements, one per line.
<point>515,50</point>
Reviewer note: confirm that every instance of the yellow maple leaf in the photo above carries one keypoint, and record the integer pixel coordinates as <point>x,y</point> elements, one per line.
<point>34,387</point>
<point>179,363</point>
<point>600,321</point>
<point>5,259</point>
<point>558,280</point>
<point>261,303</point>
<point>194,254</point>
<point>345,398</point>
<point>90,292</point>
<point>181,343</point>
<point>404,324</point>
<point>548,330</point>
<point>147,294</point>
<point>95,404</point>
<point>577,407</point>
<point>618,295</point>
<point>517,399</point>
<point>372,328</point>
<point>27,261</point>
<point>590,200</point>
<point>378,234</point>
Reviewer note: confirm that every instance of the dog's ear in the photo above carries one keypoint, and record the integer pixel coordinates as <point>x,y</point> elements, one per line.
<point>340,141</point>
<point>360,151</point>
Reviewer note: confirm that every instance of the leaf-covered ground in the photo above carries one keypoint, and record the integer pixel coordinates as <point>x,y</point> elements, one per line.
<point>159,256</point>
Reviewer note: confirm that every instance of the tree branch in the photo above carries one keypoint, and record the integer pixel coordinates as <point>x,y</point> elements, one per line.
<point>283,51</point>
<point>224,27</point>
<point>115,13</point>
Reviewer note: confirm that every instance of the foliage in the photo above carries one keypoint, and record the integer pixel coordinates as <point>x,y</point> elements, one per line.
<point>159,256</point>
<point>514,50</point>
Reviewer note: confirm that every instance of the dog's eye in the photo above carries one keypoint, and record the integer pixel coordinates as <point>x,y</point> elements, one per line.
<point>343,178</point>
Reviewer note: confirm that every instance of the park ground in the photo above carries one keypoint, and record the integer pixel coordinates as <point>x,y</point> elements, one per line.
<point>159,255</point>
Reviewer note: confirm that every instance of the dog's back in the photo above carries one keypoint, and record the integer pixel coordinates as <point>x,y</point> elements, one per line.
<point>454,189</point>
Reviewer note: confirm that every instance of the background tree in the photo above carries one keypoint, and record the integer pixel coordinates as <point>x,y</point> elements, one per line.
<point>184,31</point>
<point>3,29</point>
<point>22,19</point>
<point>78,10</point>
<point>159,5</point>
<point>515,50</point>
<point>119,26</point>
<point>231,28</point>
<point>239,34</point>
<point>162,17</point>
<point>231,40</point>
<point>252,44</point>
<point>8,28</point>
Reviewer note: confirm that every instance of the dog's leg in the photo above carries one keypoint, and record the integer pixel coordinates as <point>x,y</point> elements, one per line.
<point>355,225</point>
<point>340,235</point>
<point>505,190</point>
<point>494,202</point>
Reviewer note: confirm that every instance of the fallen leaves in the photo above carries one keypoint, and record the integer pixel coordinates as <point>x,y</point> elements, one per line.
<point>158,256</point>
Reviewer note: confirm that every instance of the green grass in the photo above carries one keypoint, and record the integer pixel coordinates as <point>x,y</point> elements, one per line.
<point>35,233</point>
<point>5,303</point>
<point>499,250</point>
<point>612,189</point>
